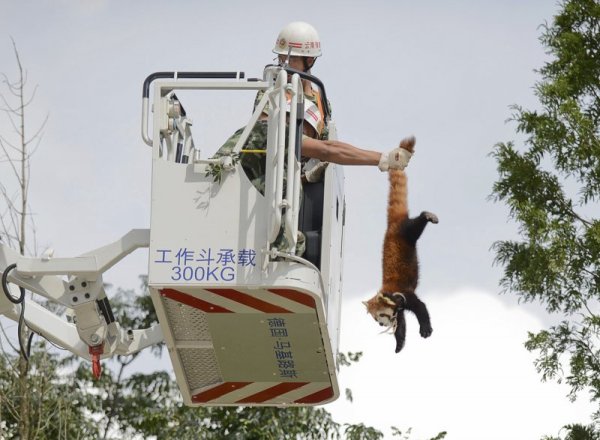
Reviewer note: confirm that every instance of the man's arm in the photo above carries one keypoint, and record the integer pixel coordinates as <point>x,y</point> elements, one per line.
<point>339,152</point>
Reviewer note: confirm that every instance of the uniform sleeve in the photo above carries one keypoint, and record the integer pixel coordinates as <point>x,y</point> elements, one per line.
<point>259,96</point>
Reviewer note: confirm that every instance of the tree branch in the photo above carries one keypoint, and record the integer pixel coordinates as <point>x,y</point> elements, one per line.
<point>12,164</point>
<point>8,108</point>
<point>37,134</point>
<point>11,211</point>
<point>10,144</point>
<point>578,217</point>
<point>15,349</point>
<point>11,86</point>
<point>32,96</point>
<point>12,122</point>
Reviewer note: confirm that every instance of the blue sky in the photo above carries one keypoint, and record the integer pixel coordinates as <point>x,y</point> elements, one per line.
<point>446,72</point>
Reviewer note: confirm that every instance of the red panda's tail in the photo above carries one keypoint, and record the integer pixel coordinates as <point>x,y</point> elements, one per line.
<point>397,202</point>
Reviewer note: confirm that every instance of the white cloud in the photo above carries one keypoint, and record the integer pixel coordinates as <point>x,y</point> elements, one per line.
<point>472,378</point>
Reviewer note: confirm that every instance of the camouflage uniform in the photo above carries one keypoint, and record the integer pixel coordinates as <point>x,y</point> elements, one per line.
<point>324,133</point>
<point>254,165</point>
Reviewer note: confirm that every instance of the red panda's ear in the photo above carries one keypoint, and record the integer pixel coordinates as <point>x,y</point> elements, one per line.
<point>366,304</point>
<point>387,301</point>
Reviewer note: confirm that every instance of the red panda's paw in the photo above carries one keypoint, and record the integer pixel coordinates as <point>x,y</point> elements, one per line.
<point>400,331</point>
<point>426,330</point>
<point>430,217</point>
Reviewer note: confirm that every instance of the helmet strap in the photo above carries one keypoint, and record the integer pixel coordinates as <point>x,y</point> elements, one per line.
<point>305,63</point>
<point>307,67</point>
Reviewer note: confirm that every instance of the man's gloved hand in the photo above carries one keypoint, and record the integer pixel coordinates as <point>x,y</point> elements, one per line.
<point>398,158</point>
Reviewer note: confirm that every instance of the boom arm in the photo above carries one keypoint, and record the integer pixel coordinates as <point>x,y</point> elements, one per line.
<point>93,328</point>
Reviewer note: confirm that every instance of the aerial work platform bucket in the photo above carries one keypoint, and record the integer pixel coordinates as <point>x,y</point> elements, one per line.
<point>244,323</point>
<point>249,347</point>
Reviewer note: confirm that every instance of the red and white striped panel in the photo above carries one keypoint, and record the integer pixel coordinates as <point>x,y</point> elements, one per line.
<point>245,301</point>
<point>264,393</point>
<point>268,301</point>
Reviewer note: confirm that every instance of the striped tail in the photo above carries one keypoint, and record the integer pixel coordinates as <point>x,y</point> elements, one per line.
<point>397,202</point>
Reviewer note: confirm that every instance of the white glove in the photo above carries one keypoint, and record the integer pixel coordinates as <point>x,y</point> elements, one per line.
<point>397,159</point>
<point>315,174</point>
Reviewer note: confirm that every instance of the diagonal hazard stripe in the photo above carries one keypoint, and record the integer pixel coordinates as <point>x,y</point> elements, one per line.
<point>193,301</point>
<point>248,300</point>
<point>271,393</point>
<point>294,295</point>
<point>218,391</point>
<point>317,397</point>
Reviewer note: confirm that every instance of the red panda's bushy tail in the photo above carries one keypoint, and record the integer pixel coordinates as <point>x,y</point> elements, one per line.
<point>397,202</point>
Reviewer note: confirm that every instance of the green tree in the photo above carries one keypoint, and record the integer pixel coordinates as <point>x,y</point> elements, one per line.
<point>552,185</point>
<point>578,432</point>
<point>58,409</point>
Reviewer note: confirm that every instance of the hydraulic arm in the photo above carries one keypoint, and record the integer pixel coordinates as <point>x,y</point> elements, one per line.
<point>88,328</point>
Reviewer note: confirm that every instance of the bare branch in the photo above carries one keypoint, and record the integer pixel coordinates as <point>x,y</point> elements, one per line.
<point>11,86</point>
<point>32,96</point>
<point>12,122</point>
<point>578,217</point>
<point>15,88</point>
<point>16,54</point>
<point>12,164</point>
<point>7,104</point>
<point>10,144</point>
<point>6,211</point>
<point>24,80</point>
<point>16,350</point>
<point>5,80</point>
<point>585,304</point>
<point>37,134</point>
<point>10,237</point>
<point>9,200</point>
<point>12,213</point>
<point>34,233</point>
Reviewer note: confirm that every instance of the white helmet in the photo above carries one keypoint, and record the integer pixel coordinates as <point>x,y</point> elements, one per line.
<point>298,39</point>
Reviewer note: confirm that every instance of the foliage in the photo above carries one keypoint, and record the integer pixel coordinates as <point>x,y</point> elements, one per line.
<point>406,435</point>
<point>216,170</point>
<point>552,186</point>
<point>58,409</point>
<point>578,432</point>
<point>345,360</point>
